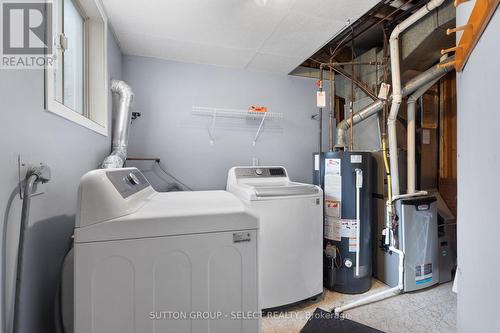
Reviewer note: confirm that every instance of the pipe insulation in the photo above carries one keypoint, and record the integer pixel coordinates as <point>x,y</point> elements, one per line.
<point>418,81</point>
<point>397,94</point>
<point>121,125</point>
<point>410,133</point>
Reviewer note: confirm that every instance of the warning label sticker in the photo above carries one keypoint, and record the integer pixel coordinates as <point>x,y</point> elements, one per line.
<point>332,208</point>
<point>332,229</point>
<point>332,166</point>
<point>333,188</point>
<point>423,273</point>
<point>348,228</point>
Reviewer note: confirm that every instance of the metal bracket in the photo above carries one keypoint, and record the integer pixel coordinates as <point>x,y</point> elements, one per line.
<point>135,115</point>
<point>259,130</point>
<point>211,129</point>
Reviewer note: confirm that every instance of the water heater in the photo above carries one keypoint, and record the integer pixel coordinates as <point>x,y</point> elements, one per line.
<point>346,179</point>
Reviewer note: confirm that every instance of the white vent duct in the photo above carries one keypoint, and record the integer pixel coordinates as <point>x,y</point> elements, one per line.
<point>121,125</point>
<point>397,94</point>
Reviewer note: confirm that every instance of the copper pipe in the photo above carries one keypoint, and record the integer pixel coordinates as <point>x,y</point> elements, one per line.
<point>364,88</point>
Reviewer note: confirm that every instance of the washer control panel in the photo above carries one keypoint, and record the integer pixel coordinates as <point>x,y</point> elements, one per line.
<point>250,172</point>
<point>127,182</point>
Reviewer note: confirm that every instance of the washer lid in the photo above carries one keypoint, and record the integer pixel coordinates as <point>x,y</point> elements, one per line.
<point>175,213</point>
<point>283,189</point>
<point>268,190</point>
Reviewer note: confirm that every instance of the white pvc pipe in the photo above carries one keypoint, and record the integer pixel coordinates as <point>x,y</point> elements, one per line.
<point>410,134</point>
<point>401,256</point>
<point>396,87</point>
<point>387,231</point>
<point>359,185</point>
<point>410,146</point>
<point>389,292</point>
<point>366,300</point>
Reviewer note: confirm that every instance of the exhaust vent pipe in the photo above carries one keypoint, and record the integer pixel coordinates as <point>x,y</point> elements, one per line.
<point>433,73</point>
<point>121,125</point>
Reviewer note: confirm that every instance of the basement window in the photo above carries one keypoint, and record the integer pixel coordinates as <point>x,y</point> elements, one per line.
<point>76,83</point>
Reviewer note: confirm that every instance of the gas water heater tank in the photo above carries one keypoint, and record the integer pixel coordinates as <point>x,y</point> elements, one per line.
<point>346,179</point>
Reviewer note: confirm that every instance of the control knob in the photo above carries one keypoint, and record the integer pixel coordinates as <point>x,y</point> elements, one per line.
<point>133,179</point>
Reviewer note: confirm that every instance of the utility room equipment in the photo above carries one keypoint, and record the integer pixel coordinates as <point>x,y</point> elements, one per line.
<point>346,178</point>
<point>417,235</point>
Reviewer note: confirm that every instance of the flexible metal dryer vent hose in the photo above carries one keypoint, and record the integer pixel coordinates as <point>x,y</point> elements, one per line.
<point>121,125</point>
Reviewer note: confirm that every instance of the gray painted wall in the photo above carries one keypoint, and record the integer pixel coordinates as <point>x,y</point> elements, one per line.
<point>70,150</point>
<point>478,183</point>
<point>165,92</point>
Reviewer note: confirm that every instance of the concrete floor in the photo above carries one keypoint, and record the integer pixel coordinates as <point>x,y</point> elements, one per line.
<point>429,310</point>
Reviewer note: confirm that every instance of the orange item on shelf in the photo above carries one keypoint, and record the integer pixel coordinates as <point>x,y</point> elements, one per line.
<point>255,108</point>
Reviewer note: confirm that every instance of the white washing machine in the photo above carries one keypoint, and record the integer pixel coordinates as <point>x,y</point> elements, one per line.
<point>162,262</point>
<point>290,234</point>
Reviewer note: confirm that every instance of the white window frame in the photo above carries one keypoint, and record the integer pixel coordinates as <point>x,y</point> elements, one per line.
<point>95,74</point>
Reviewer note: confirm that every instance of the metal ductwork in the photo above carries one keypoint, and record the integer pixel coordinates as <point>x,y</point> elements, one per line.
<point>410,134</point>
<point>397,93</point>
<point>121,125</point>
<point>420,80</point>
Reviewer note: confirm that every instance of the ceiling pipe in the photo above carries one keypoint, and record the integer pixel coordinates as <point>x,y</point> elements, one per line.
<point>364,88</point>
<point>429,75</point>
<point>121,125</point>
<point>397,94</point>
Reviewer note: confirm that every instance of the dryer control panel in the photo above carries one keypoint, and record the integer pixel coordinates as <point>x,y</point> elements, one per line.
<point>249,172</point>
<point>105,194</point>
<point>127,182</point>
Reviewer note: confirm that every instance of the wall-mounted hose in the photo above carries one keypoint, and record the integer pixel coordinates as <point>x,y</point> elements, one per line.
<point>40,174</point>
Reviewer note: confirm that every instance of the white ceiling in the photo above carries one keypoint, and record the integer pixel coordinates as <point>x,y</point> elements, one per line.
<point>274,37</point>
